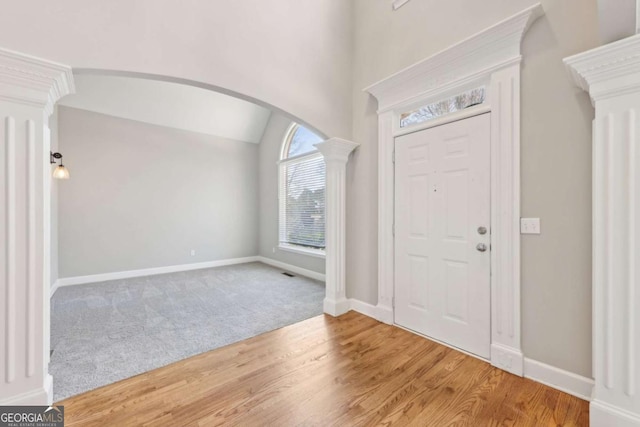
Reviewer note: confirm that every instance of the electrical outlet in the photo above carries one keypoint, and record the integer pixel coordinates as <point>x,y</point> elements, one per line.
<point>529,225</point>
<point>193,252</point>
<point>273,249</point>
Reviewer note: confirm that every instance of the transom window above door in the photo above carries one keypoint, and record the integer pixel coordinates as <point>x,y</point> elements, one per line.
<point>441,108</point>
<point>301,193</point>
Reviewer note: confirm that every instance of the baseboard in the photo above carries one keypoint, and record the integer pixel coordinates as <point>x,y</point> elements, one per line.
<point>385,314</point>
<point>40,396</point>
<point>559,379</point>
<point>508,359</point>
<point>377,312</point>
<point>335,308</point>
<point>364,308</point>
<point>292,268</point>
<point>104,277</point>
<point>505,358</point>
<point>48,388</point>
<point>82,280</point>
<point>54,287</point>
<point>605,415</point>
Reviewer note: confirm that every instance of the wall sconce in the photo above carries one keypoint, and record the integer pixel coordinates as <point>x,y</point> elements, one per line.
<point>60,172</point>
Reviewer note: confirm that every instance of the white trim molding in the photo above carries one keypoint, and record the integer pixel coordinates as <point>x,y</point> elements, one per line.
<point>32,397</point>
<point>364,308</point>
<point>54,288</point>
<point>608,71</point>
<point>29,88</point>
<point>336,154</point>
<point>32,81</point>
<point>292,268</point>
<point>367,309</point>
<point>491,59</point>
<point>105,277</point>
<point>317,253</point>
<point>611,75</point>
<point>559,379</point>
<point>397,4</point>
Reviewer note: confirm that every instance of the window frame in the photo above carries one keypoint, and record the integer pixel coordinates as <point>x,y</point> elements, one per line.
<point>282,201</point>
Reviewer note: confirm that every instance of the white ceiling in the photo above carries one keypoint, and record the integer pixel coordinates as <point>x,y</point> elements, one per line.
<point>170,104</point>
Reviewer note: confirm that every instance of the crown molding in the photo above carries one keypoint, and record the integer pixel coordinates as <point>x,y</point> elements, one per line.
<point>475,57</point>
<point>609,70</point>
<point>33,81</point>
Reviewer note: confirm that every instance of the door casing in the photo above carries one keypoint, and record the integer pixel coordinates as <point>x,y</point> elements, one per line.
<point>490,58</point>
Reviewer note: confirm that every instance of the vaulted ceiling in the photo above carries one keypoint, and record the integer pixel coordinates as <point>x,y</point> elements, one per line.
<point>170,104</point>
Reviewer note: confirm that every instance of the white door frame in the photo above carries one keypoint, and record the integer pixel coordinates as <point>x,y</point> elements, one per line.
<point>491,59</point>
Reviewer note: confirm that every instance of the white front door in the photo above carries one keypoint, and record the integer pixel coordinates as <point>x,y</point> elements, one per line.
<point>442,219</point>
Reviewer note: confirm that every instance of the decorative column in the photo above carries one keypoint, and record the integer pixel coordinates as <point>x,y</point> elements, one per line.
<point>336,153</point>
<point>29,88</point>
<point>611,75</point>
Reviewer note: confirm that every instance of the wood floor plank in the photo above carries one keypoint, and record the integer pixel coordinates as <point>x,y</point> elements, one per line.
<point>345,371</point>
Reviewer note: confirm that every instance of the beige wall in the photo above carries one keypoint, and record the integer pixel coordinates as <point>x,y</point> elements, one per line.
<point>556,150</point>
<point>270,148</point>
<point>143,196</point>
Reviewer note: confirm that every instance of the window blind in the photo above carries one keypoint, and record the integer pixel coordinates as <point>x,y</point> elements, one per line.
<point>302,198</point>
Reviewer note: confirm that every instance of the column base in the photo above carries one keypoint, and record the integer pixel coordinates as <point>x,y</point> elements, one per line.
<point>39,396</point>
<point>336,308</point>
<point>508,359</point>
<point>604,415</point>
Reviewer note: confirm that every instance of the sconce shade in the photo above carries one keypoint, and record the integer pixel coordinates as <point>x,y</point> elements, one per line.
<point>61,172</point>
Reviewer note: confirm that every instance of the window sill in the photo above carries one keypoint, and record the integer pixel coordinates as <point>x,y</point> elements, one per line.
<point>302,250</point>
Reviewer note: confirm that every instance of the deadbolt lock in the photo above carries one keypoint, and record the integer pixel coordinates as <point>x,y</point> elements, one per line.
<point>482,230</point>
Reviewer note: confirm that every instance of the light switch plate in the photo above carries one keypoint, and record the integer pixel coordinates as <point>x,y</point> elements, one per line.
<point>529,225</point>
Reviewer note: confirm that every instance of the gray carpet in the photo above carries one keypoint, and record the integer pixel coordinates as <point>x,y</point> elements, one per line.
<point>105,332</point>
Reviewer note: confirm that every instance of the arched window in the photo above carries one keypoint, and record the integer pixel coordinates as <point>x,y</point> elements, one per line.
<point>301,193</point>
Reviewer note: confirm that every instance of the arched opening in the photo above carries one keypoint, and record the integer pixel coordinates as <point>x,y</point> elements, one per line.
<point>158,228</point>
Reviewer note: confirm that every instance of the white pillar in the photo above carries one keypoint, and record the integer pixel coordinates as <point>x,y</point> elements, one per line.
<point>611,75</point>
<point>336,153</point>
<point>29,88</point>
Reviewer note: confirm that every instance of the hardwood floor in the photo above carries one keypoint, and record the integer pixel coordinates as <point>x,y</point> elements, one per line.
<point>344,371</point>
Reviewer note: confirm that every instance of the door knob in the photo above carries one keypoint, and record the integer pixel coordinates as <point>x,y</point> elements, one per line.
<point>482,230</point>
<point>481,247</point>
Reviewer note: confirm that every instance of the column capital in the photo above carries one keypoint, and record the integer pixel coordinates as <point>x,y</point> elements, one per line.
<point>33,81</point>
<point>607,71</point>
<point>336,149</point>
